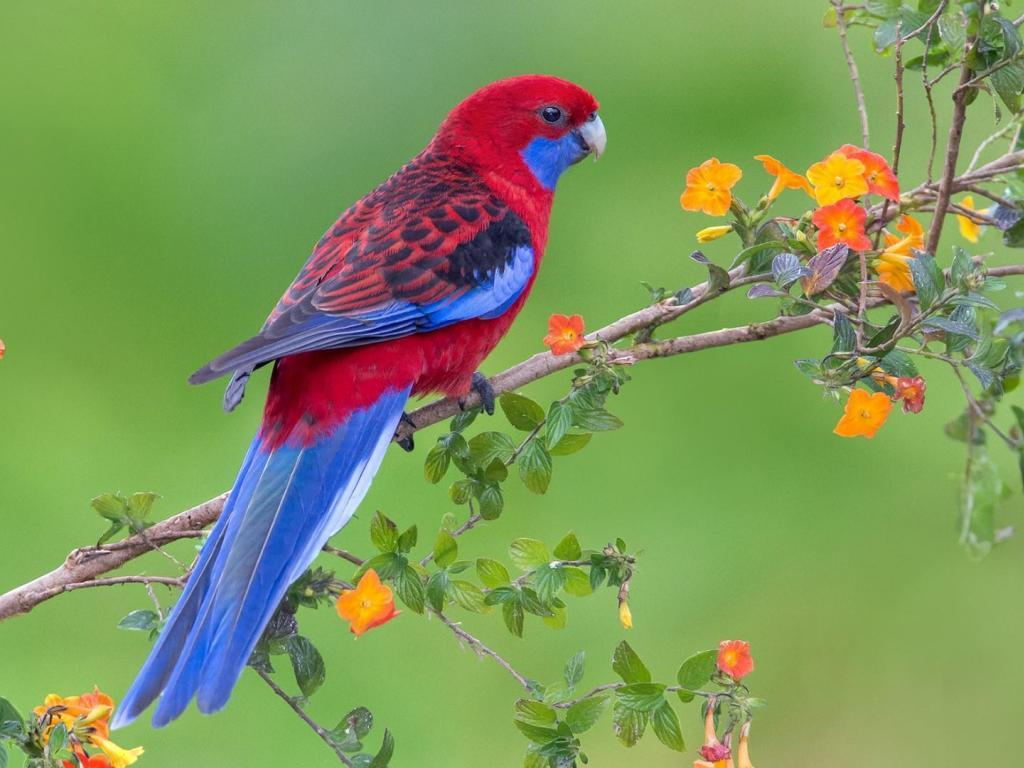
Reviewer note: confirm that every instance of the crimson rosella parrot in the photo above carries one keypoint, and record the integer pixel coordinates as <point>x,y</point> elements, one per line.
<point>405,295</point>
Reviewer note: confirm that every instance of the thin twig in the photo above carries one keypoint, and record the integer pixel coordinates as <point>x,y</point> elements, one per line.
<point>851,64</point>
<point>318,729</point>
<point>344,554</point>
<point>477,645</point>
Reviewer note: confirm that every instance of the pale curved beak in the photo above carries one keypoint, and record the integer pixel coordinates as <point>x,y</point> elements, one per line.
<point>594,135</point>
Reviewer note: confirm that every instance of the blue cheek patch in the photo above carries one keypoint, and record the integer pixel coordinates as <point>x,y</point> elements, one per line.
<point>547,158</point>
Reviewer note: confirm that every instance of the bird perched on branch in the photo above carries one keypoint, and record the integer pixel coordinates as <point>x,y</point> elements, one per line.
<point>405,295</point>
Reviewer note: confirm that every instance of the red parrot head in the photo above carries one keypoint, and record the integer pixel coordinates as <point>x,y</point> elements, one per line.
<point>527,129</point>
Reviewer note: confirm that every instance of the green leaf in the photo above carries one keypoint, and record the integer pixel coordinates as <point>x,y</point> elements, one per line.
<point>490,446</point>
<point>410,589</point>
<point>408,539</point>
<point>140,503</point>
<point>952,31</point>
<point>642,696</point>
<point>492,573</point>
<point>468,595</point>
<point>8,714</point>
<point>597,420</point>
<point>353,728</point>
<point>463,419</point>
<point>436,464</point>
<point>437,590</point>
<point>629,724</point>
<point>491,502</point>
<point>528,554</point>
<point>445,549</point>
<point>535,466</point>
<point>627,665</point>
<point>665,724</point>
<point>533,604</point>
<point>387,748</point>
<point>536,733</point>
<point>570,444</point>
<point>142,621</point>
<point>568,548</point>
<point>560,418</point>
<point>574,670</point>
<point>383,533</point>
<point>844,338</point>
<point>924,281</point>
<point>535,712</point>
<point>548,581</point>
<point>584,714</point>
<point>512,612</point>
<point>307,664</point>
<point>3,756</point>
<point>577,582</point>
<point>696,671</point>
<point>111,506</point>
<point>521,412</point>
<point>58,739</point>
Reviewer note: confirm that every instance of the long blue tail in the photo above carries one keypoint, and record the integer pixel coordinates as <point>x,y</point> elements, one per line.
<point>285,504</point>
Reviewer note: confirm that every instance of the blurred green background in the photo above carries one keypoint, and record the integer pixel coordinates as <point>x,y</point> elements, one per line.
<point>165,170</point>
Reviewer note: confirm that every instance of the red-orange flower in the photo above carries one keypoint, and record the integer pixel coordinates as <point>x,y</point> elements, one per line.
<point>864,415</point>
<point>734,659</point>
<point>713,750</point>
<point>95,761</point>
<point>3,349</point>
<point>708,187</point>
<point>565,334</point>
<point>784,177</point>
<point>877,173</point>
<point>367,606</point>
<point>841,222</point>
<point>911,391</point>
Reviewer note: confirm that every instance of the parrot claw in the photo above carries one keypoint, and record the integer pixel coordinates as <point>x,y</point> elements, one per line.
<point>405,442</point>
<point>482,387</point>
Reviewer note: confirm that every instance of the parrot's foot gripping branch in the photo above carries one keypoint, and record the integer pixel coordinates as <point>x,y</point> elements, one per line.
<point>482,386</point>
<point>405,442</point>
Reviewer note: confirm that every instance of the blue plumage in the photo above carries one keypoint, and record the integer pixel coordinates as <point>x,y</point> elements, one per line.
<point>287,501</point>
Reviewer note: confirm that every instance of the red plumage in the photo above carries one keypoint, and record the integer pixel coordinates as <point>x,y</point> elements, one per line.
<point>394,244</point>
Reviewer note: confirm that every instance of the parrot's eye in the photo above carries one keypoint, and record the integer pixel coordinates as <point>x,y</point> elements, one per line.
<point>551,114</point>
<point>592,117</point>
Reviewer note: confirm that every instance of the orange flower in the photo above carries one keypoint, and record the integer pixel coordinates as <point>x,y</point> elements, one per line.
<point>837,177</point>
<point>969,228</point>
<point>96,761</point>
<point>565,334</point>
<point>784,177</point>
<point>88,717</point>
<point>734,659</point>
<point>743,751</point>
<point>842,222</point>
<point>877,173</point>
<point>893,264</point>
<point>864,414</point>
<point>708,187</point>
<point>367,606</point>
<point>92,709</point>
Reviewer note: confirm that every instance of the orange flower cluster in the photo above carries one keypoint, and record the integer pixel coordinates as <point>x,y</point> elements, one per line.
<point>865,413</point>
<point>367,606</point>
<point>734,659</point>
<point>87,719</point>
<point>565,334</point>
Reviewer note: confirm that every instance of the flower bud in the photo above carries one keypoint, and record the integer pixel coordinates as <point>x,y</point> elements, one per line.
<point>625,615</point>
<point>708,234</point>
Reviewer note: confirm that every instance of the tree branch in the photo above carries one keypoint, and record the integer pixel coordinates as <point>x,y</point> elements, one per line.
<point>851,64</point>
<point>86,564</point>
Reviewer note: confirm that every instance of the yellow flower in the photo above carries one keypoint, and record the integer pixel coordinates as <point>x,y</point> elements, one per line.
<point>837,177</point>
<point>969,229</point>
<point>784,177</point>
<point>119,756</point>
<point>625,615</point>
<point>893,264</point>
<point>708,187</point>
<point>708,234</point>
